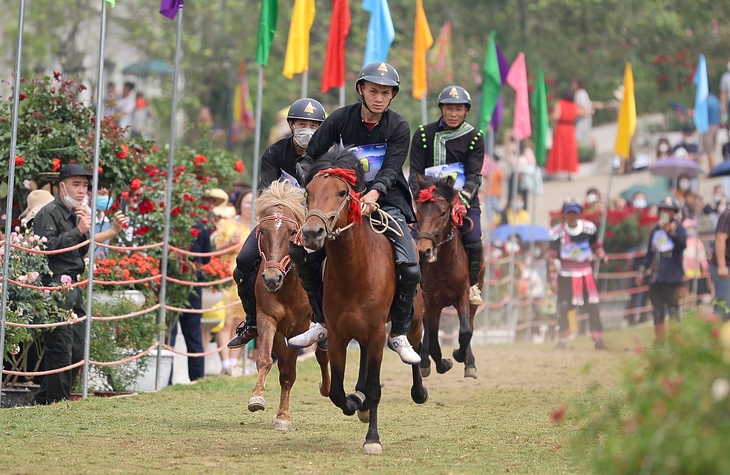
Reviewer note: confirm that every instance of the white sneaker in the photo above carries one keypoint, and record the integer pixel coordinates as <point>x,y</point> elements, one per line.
<point>403,347</point>
<point>475,295</point>
<point>315,334</point>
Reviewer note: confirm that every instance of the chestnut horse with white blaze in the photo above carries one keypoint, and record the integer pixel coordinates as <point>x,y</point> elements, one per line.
<point>359,286</point>
<point>282,306</point>
<point>445,273</point>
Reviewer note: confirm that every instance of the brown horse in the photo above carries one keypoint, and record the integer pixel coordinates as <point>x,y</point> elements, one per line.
<point>445,282</point>
<point>282,306</point>
<point>359,286</point>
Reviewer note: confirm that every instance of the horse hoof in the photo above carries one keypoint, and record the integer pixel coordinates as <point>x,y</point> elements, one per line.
<point>282,425</point>
<point>372,448</point>
<point>445,366</point>
<point>256,403</point>
<point>420,399</point>
<point>425,372</point>
<point>456,357</point>
<point>324,390</point>
<point>470,373</point>
<point>364,416</point>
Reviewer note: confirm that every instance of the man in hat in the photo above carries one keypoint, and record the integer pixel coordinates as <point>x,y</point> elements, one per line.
<point>663,266</point>
<point>575,243</point>
<point>65,222</point>
<point>36,200</point>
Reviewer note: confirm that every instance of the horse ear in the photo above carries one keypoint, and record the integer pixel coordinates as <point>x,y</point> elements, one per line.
<point>421,181</point>
<point>450,180</point>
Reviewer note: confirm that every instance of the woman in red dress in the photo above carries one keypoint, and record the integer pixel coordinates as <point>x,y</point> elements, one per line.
<point>563,157</point>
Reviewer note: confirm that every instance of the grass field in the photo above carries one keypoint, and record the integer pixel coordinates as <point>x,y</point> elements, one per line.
<point>499,423</point>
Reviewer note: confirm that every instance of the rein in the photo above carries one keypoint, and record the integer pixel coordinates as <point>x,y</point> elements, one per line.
<point>285,264</point>
<point>329,219</point>
<point>426,195</point>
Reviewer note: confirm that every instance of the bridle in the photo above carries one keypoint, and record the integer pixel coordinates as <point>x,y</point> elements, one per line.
<point>434,237</point>
<point>330,218</point>
<point>285,264</point>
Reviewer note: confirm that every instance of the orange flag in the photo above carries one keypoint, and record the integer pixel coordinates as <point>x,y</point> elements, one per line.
<point>422,41</point>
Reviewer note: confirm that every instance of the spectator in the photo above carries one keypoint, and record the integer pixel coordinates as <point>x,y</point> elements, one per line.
<point>586,109</point>
<point>126,106</point>
<point>725,93</point>
<point>688,143</point>
<point>620,204</point>
<point>663,150</point>
<point>639,201</point>
<point>493,189</point>
<point>709,138</point>
<point>529,178</point>
<point>695,260</point>
<point>718,266</point>
<point>718,206</point>
<point>563,157</point>
<point>594,202</point>
<point>508,216</point>
<point>110,104</point>
<point>143,113</point>
<point>36,200</point>
<point>689,205</point>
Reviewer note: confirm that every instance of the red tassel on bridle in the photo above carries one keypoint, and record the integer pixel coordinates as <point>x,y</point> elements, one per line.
<point>354,214</point>
<point>426,194</point>
<point>457,212</point>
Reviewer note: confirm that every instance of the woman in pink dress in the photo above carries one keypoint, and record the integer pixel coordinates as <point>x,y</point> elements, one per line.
<point>563,157</point>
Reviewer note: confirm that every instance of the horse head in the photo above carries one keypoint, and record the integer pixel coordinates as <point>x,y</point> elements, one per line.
<point>334,184</point>
<point>434,208</point>
<point>280,214</point>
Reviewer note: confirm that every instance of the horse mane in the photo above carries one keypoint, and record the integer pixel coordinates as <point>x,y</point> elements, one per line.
<point>444,187</point>
<point>338,157</point>
<point>281,193</point>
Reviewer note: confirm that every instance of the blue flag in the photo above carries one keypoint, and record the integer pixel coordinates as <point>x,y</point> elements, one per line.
<point>380,31</point>
<point>703,91</point>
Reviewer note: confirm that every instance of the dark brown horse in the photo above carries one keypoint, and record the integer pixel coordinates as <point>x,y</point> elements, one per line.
<point>445,274</point>
<point>283,310</point>
<point>359,287</point>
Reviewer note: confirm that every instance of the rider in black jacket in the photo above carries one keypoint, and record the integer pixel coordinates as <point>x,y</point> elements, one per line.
<point>370,126</point>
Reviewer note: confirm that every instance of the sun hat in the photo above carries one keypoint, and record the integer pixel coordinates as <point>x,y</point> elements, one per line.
<point>37,199</point>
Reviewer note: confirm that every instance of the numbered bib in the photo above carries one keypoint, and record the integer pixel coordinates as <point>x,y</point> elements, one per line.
<point>453,170</point>
<point>661,242</point>
<point>576,251</point>
<point>371,158</point>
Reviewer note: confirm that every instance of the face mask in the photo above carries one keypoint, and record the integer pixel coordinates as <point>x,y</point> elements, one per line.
<point>721,209</point>
<point>302,136</point>
<point>718,197</point>
<point>684,184</point>
<point>591,198</point>
<point>690,140</point>
<point>520,204</point>
<point>640,204</point>
<point>691,232</point>
<point>664,148</point>
<point>71,202</point>
<point>103,203</point>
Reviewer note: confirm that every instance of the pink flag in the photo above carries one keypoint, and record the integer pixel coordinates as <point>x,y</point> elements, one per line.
<point>517,78</point>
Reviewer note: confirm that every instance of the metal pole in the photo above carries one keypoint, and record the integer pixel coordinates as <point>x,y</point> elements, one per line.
<point>342,96</point>
<point>513,192</point>
<point>168,200</point>
<point>530,312</point>
<point>424,109</point>
<point>604,217</point>
<point>488,251</point>
<point>257,145</point>
<point>305,83</point>
<point>94,194</point>
<point>11,177</point>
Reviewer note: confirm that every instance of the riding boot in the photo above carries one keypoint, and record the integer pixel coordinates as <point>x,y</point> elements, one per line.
<point>401,312</point>
<point>475,253</point>
<point>246,331</point>
<point>308,267</point>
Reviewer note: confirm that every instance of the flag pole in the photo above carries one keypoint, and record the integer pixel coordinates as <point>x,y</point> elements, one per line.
<point>305,83</point>
<point>94,194</point>
<point>342,96</point>
<point>490,210</point>
<point>257,144</point>
<point>533,217</point>
<point>513,231</point>
<point>168,199</point>
<point>424,109</point>
<point>604,218</point>
<point>11,175</point>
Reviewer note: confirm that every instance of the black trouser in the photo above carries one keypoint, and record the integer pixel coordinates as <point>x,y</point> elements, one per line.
<point>247,264</point>
<point>664,297</point>
<point>64,346</point>
<point>565,305</point>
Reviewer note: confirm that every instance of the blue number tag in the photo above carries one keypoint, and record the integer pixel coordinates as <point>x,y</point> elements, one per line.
<point>371,158</point>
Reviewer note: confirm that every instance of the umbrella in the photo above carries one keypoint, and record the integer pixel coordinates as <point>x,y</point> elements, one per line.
<point>523,231</point>
<point>722,169</point>
<point>673,167</point>
<point>149,68</point>
<point>653,195</point>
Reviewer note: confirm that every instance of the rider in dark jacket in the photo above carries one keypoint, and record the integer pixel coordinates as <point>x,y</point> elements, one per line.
<point>453,140</point>
<point>380,138</point>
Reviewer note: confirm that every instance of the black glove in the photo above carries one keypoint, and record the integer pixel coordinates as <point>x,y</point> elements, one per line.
<point>302,170</point>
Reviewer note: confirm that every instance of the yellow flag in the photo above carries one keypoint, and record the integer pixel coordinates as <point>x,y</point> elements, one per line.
<point>297,47</point>
<point>626,116</point>
<point>422,41</point>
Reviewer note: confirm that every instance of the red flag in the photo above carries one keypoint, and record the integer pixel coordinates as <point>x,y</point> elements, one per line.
<point>517,78</point>
<point>334,60</point>
<point>439,57</point>
<point>242,105</point>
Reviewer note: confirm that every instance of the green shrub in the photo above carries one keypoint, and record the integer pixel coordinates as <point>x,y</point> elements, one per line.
<point>672,412</point>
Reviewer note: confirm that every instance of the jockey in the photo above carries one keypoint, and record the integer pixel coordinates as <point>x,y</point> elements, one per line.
<point>304,117</point>
<point>453,140</point>
<point>575,243</point>
<point>369,126</point>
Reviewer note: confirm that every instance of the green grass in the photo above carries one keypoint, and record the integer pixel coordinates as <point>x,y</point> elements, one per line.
<point>499,423</point>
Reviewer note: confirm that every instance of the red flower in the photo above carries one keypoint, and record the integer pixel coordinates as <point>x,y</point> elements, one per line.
<point>239,166</point>
<point>187,197</point>
<point>123,152</point>
<point>715,332</point>
<point>145,206</point>
<point>194,232</point>
<point>199,160</point>
<point>100,170</point>
<point>22,96</point>
<point>125,195</point>
<point>142,230</point>
<point>151,170</point>
<point>55,164</point>
<point>175,211</point>
<point>155,149</point>
<point>135,185</point>
<point>557,415</point>
<point>19,161</point>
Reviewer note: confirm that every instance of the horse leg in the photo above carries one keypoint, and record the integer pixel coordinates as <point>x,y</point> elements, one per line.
<point>287,376</point>
<point>374,359</point>
<point>470,367</point>
<point>323,360</point>
<point>338,356</point>
<point>419,394</point>
<point>466,330</point>
<point>364,412</point>
<point>267,330</point>
<point>432,320</point>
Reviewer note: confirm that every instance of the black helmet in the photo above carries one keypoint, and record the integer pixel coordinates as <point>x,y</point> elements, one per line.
<point>455,95</point>
<point>670,202</point>
<point>379,73</point>
<point>571,204</point>
<point>306,109</point>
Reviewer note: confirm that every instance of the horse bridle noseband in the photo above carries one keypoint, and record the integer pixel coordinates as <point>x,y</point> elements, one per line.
<point>285,264</point>
<point>329,219</point>
<point>432,237</point>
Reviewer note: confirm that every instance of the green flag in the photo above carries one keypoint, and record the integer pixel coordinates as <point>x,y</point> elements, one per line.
<point>491,85</point>
<point>267,28</point>
<point>541,125</point>
<point>111,2</point>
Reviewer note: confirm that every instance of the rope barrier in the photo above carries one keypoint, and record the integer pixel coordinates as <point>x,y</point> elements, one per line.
<point>129,315</point>
<point>220,252</point>
<point>128,282</point>
<point>44,373</point>
<point>125,360</point>
<point>53,252</point>
<point>192,355</point>
<point>130,248</point>
<point>200,284</point>
<point>45,325</point>
<point>203,310</point>
<point>36,287</point>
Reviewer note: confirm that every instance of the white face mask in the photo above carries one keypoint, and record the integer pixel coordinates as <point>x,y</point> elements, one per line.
<point>718,197</point>
<point>71,202</point>
<point>640,204</point>
<point>591,198</point>
<point>691,232</point>
<point>684,184</point>
<point>302,136</point>
<point>664,148</point>
<point>519,204</point>
<point>721,209</point>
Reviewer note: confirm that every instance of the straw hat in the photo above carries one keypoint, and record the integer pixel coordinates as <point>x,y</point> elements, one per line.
<point>218,194</point>
<point>224,211</point>
<point>37,199</point>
